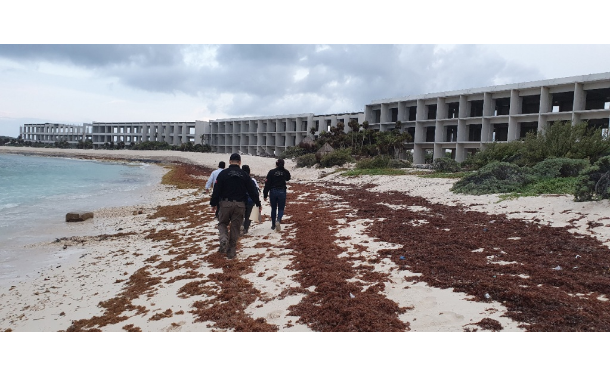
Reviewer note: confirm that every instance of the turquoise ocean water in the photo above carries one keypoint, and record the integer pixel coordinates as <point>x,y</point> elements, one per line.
<point>37,192</point>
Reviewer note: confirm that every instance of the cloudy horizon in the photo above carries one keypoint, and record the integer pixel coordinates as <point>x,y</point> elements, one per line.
<point>75,84</point>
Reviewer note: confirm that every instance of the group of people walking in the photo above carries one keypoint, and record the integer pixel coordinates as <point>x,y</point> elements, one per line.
<point>234,195</point>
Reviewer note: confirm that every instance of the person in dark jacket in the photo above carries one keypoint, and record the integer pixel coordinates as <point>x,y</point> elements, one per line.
<point>250,203</point>
<point>230,194</point>
<point>275,188</point>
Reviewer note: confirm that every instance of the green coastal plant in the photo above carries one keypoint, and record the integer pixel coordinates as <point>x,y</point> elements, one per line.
<point>594,182</point>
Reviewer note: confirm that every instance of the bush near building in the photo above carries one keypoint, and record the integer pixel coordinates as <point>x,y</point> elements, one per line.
<point>445,164</point>
<point>307,160</point>
<point>594,182</point>
<point>338,157</point>
<point>556,157</point>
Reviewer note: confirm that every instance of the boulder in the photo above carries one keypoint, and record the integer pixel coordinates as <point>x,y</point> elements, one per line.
<point>78,216</point>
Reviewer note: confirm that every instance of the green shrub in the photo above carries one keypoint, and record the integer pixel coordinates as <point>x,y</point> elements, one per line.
<point>594,182</point>
<point>339,157</point>
<point>399,163</point>
<point>445,164</point>
<point>380,161</point>
<point>509,152</point>
<point>307,160</point>
<point>559,140</point>
<point>560,168</point>
<point>496,177</point>
<point>292,152</point>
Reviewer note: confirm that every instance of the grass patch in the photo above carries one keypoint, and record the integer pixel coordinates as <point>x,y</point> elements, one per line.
<point>443,175</point>
<point>557,186</point>
<point>373,171</point>
<point>447,175</point>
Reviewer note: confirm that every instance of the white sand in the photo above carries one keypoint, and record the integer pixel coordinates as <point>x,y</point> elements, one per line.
<point>49,301</point>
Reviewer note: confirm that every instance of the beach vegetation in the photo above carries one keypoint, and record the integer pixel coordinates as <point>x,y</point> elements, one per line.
<point>293,152</point>
<point>377,162</point>
<point>6,140</point>
<point>439,175</point>
<point>593,183</point>
<point>307,160</point>
<point>547,186</point>
<point>496,177</point>
<point>86,144</point>
<point>445,164</point>
<point>564,158</point>
<point>562,139</point>
<point>374,171</point>
<point>338,157</point>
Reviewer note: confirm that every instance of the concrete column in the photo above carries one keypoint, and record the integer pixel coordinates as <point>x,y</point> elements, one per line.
<point>438,152</point>
<point>545,106</point>
<point>421,110</point>
<point>512,128</point>
<point>441,108</point>
<point>402,115</point>
<point>488,105</point>
<point>486,131</point>
<point>420,135</point>
<point>385,116</point>
<point>515,103</point>
<point>460,153</point>
<point>515,108</point>
<point>418,154</point>
<point>580,100</point>
<point>463,112</point>
<point>462,135</point>
<point>441,113</point>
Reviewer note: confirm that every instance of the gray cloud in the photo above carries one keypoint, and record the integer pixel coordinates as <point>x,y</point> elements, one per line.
<point>282,79</point>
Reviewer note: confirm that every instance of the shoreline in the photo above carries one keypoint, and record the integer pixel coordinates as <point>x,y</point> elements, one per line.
<point>102,272</point>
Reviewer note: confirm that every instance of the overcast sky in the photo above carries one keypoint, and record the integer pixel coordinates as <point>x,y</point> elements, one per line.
<point>84,83</point>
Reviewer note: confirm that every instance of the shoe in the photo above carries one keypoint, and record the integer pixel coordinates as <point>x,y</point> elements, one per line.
<point>223,246</point>
<point>231,254</point>
<point>245,232</point>
<point>278,227</point>
<point>273,226</point>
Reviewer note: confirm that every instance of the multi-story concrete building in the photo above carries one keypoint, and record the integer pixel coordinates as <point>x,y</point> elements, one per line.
<point>463,121</point>
<point>271,135</point>
<point>49,133</point>
<point>174,133</point>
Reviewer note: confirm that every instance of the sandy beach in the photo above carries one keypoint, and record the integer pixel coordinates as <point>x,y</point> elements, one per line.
<point>373,253</point>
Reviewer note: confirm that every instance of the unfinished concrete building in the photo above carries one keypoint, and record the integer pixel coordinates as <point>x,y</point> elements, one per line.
<point>464,121</point>
<point>271,135</point>
<point>174,133</point>
<point>459,122</point>
<point>49,133</point>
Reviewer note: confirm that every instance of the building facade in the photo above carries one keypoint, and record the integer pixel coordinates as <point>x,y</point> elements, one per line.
<point>50,133</point>
<point>271,135</point>
<point>461,121</point>
<point>464,121</point>
<point>174,133</point>
<point>101,134</point>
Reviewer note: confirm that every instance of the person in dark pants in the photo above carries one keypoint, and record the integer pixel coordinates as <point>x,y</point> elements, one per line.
<point>250,203</point>
<point>230,194</point>
<point>275,188</point>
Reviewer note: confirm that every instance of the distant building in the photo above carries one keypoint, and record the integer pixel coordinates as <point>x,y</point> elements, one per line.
<point>49,133</point>
<point>271,135</point>
<point>461,121</point>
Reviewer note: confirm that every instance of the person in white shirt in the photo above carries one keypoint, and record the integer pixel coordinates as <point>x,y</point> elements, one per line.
<point>214,175</point>
<point>212,180</point>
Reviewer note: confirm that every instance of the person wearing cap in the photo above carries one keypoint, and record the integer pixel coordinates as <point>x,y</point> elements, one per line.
<point>250,203</point>
<point>230,195</point>
<point>275,188</point>
<point>212,179</point>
